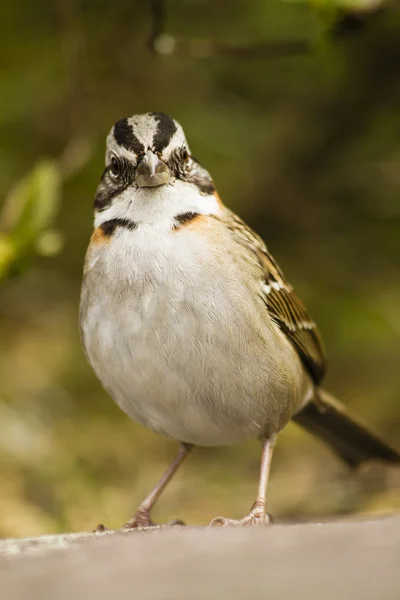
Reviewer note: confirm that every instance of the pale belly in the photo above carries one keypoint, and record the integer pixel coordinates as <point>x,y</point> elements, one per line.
<point>187,353</point>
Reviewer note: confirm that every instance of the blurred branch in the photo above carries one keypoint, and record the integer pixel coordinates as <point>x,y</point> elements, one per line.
<point>343,21</point>
<point>162,43</point>
<point>166,44</point>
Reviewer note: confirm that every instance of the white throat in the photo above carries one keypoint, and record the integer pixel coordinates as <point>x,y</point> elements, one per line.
<point>160,204</point>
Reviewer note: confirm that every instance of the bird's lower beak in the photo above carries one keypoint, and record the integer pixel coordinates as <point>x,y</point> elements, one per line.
<point>152,171</point>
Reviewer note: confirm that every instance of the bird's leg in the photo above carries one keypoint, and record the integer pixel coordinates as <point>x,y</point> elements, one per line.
<point>258,513</point>
<point>142,516</point>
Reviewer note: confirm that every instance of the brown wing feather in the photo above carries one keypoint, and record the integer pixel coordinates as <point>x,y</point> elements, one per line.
<point>285,308</point>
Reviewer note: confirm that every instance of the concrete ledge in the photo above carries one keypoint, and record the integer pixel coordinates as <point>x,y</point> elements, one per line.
<point>330,561</point>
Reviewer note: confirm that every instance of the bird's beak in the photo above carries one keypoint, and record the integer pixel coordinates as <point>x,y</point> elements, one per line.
<point>152,171</point>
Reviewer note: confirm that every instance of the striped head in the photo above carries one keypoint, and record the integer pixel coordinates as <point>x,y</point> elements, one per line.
<point>148,165</point>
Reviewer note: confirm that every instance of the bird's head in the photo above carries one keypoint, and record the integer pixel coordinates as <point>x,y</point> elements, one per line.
<point>149,167</point>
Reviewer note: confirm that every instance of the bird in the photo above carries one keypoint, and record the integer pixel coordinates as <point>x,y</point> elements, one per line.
<point>188,321</point>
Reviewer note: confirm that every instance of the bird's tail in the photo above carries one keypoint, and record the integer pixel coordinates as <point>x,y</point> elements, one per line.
<point>328,419</point>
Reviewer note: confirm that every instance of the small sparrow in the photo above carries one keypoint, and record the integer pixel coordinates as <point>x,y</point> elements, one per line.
<point>189,322</point>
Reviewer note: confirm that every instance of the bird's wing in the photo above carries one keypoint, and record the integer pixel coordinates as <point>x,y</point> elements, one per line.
<point>285,308</point>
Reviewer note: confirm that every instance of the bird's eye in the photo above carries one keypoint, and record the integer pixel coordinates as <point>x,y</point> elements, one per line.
<point>184,154</point>
<point>115,168</point>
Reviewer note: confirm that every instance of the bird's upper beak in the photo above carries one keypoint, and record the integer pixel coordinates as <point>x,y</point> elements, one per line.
<point>152,171</point>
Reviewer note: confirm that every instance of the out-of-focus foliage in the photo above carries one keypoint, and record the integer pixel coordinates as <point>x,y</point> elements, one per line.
<point>305,148</point>
<point>28,212</point>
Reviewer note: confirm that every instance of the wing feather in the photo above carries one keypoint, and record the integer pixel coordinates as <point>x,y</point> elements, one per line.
<point>284,306</point>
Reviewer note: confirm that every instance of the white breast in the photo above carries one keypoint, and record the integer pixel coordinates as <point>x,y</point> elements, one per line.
<point>181,342</point>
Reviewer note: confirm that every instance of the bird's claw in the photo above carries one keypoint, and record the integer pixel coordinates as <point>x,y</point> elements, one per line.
<point>101,528</point>
<point>257,516</point>
<point>142,520</point>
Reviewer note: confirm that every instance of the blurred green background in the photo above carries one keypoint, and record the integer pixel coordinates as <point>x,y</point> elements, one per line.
<point>305,148</point>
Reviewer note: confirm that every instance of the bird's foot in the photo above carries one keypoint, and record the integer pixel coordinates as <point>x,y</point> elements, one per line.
<point>101,528</point>
<point>142,520</point>
<point>257,516</point>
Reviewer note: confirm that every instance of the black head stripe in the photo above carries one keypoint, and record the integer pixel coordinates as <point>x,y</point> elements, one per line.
<point>165,130</point>
<point>124,136</point>
<point>104,193</point>
<point>201,178</point>
<point>109,189</point>
<point>104,198</point>
<point>109,227</point>
<point>185,218</point>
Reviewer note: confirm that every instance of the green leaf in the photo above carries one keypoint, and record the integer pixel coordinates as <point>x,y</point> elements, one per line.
<point>28,212</point>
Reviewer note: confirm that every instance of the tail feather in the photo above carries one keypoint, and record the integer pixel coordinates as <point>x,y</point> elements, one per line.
<point>326,418</point>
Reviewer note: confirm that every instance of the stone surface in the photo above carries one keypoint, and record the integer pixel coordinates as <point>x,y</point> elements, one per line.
<point>330,561</point>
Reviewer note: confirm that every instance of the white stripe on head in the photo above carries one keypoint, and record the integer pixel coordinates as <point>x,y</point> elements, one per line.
<point>132,136</point>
